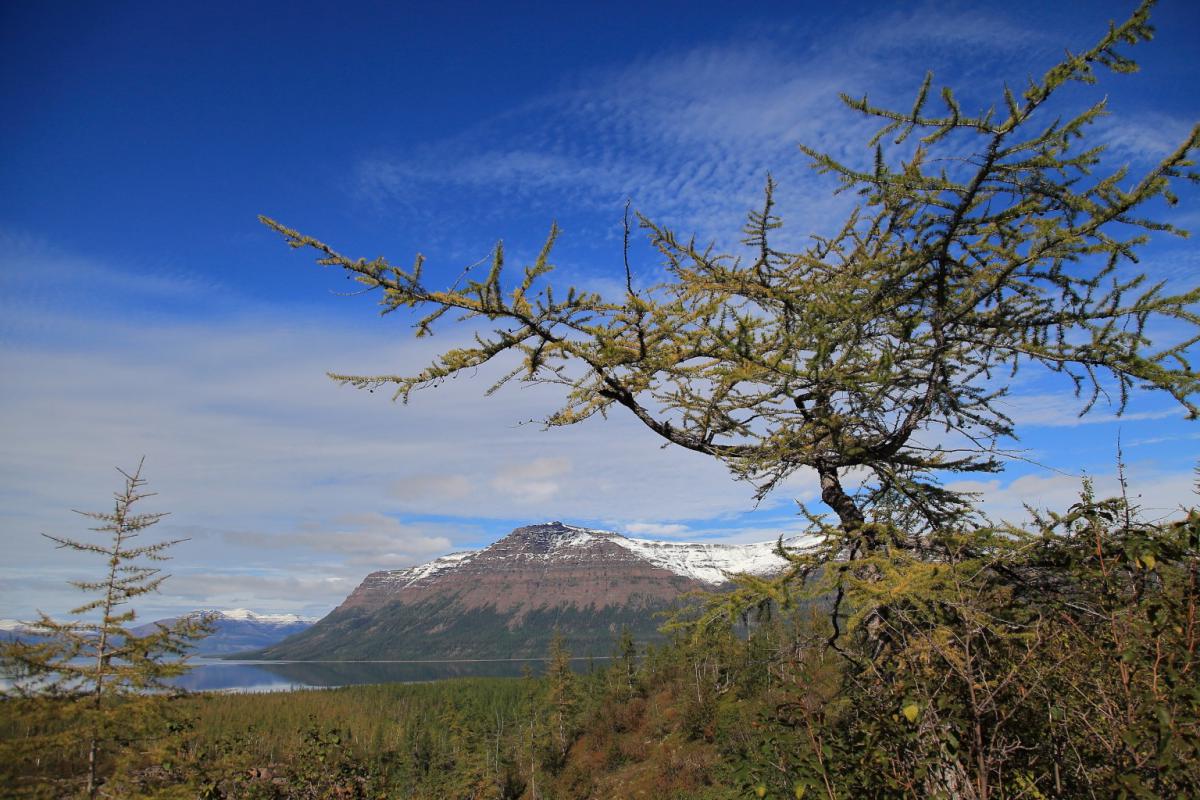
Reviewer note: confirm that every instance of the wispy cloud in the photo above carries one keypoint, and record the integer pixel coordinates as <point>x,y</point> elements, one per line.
<point>292,488</point>
<point>1061,410</point>
<point>1159,494</point>
<point>1143,139</point>
<point>690,134</point>
<point>1151,440</point>
<point>363,539</point>
<point>660,529</point>
<point>268,465</point>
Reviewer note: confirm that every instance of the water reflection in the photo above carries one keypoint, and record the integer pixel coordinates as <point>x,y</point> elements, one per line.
<point>275,676</point>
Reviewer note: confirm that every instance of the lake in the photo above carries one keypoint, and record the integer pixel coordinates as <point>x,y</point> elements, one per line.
<point>209,675</point>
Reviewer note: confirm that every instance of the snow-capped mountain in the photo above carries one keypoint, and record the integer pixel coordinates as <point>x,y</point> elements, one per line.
<point>15,630</point>
<point>234,631</point>
<point>240,629</point>
<point>246,615</point>
<point>507,599</point>
<point>705,562</point>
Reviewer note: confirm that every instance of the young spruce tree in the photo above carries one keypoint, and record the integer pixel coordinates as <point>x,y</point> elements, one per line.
<point>94,683</point>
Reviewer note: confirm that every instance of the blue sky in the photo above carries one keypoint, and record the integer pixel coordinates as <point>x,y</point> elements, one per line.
<point>143,310</point>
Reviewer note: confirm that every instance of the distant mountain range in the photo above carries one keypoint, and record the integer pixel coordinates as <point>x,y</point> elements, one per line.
<point>506,600</point>
<point>234,631</point>
<point>240,629</point>
<point>13,629</point>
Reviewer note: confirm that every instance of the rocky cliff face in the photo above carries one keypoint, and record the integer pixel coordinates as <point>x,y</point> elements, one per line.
<point>506,600</point>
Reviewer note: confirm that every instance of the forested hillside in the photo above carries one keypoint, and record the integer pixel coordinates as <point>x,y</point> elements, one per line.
<point>922,646</point>
<point>1056,662</point>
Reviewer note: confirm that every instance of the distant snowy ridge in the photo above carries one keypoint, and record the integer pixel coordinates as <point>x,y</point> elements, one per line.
<point>706,562</point>
<point>239,614</point>
<point>238,630</point>
<point>232,631</point>
<point>246,615</point>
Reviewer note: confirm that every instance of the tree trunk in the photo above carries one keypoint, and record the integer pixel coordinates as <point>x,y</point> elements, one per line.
<point>834,496</point>
<point>91,784</point>
<point>949,779</point>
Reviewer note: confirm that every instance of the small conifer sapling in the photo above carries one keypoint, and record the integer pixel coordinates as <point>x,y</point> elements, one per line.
<point>101,679</point>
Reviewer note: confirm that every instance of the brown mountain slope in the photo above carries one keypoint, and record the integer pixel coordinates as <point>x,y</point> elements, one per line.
<point>506,600</point>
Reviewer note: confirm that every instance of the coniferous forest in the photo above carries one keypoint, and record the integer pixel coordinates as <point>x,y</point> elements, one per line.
<point>1057,662</point>
<point>921,650</point>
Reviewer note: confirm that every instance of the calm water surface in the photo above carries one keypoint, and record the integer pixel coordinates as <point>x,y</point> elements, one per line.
<point>277,676</point>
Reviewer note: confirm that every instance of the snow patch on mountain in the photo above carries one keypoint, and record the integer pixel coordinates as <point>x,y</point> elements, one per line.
<point>246,615</point>
<point>707,562</point>
<point>715,563</point>
<point>411,575</point>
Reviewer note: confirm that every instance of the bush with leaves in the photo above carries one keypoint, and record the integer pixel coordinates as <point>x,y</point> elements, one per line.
<point>1055,661</point>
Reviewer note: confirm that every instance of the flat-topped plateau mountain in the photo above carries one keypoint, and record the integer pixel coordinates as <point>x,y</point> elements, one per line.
<point>506,600</point>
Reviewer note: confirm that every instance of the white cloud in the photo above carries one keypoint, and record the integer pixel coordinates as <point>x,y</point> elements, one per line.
<point>665,530</point>
<point>534,482</point>
<point>293,486</point>
<point>286,481</point>
<point>359,539</point>
<point>417,490</point>
<point>267,464</point>
<point>1143,139</point>
<point>1061,410</point>
<point>1152,440</point>
<point>690,134</point>
<point>1159,494</point>
<point>294,591</point>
